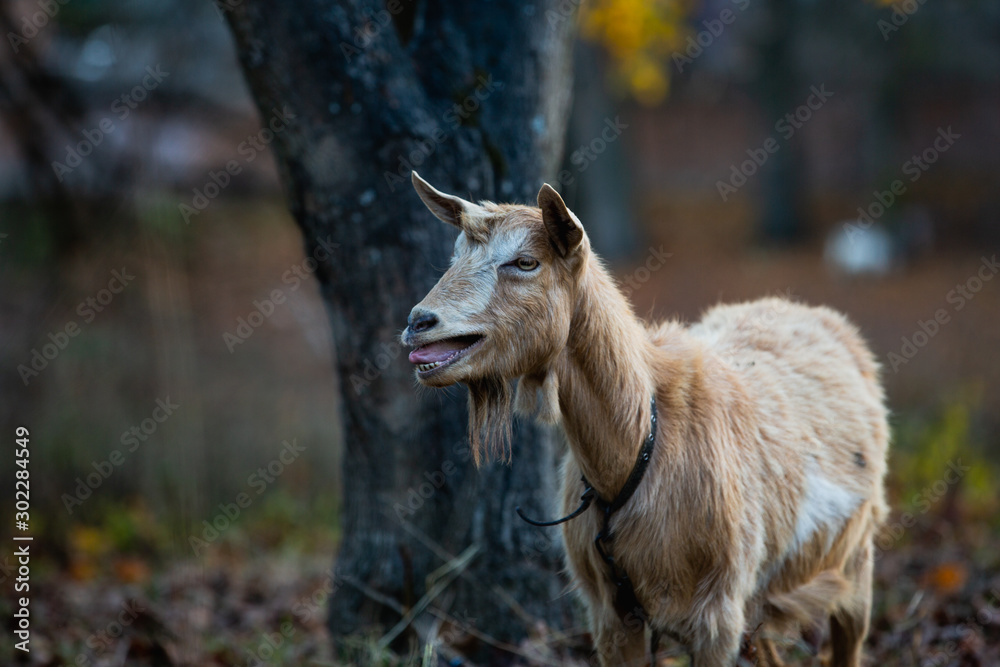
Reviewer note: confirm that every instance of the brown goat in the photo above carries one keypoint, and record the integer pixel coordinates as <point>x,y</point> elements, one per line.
<point>765,484</point>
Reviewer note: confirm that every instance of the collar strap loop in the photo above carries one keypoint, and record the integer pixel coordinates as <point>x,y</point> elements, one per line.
<point>625,600</point>
<point>627,491</point>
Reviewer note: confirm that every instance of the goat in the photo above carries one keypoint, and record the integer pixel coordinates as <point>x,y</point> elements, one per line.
<point>763,489</point>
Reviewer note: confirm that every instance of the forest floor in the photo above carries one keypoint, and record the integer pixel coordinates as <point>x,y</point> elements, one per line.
<point>937,602</point>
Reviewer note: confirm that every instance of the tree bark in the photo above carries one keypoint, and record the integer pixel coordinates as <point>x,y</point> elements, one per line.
<point>476,97</point>
<point>781,221</point>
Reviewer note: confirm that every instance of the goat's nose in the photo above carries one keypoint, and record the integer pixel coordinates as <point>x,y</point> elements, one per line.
<point>421,320</point>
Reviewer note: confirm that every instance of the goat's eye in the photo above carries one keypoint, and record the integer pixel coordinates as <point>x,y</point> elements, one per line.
<point>526,263</point>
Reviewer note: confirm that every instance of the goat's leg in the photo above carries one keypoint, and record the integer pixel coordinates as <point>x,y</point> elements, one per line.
<point>767,653</point>
<point>849,623</point>
<point>723,649</point>
<point>621,645</point>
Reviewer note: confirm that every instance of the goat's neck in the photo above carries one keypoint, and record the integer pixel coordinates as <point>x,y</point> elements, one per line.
<point>605,383</point>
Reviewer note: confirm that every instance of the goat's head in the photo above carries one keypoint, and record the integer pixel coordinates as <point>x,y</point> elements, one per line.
<point>502,310</point>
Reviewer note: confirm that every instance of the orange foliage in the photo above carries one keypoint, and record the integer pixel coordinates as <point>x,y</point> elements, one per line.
<point>131,570</point>
<point>640,36</point>
<point>947,578</point>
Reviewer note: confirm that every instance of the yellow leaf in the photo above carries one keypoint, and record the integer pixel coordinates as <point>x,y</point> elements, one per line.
<point>640,36</point>
<point>86,541</point>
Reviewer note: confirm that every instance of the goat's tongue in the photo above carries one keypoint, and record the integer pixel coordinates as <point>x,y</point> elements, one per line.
<point>439,351</point>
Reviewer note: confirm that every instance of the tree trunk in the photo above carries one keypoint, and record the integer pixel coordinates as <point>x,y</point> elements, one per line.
<point>476,97</point>
<point>781,221</point>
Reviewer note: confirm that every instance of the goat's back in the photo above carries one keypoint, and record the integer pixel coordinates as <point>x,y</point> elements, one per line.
<point>822,429</point>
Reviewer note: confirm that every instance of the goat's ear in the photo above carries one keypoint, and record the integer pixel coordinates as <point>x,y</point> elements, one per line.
<point>446,208</point>
<point>564,229</point>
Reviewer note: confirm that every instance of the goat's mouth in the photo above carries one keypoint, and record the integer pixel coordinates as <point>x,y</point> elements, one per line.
<point>435,356</point>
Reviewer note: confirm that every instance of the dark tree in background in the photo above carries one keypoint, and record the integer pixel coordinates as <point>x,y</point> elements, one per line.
<point>475,96</point>
<point>777,90</point>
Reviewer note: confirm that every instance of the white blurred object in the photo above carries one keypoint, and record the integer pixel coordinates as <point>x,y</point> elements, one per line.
<point>97,54</point>
<point>853,249</point>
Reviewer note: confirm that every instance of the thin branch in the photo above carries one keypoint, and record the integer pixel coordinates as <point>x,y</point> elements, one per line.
<point>442,577</point>
<point>373,594</point>
<point>486,639</point>
<point>444,555</point>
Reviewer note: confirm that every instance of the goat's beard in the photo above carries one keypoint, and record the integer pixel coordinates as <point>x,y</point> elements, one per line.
<point>490,419</point>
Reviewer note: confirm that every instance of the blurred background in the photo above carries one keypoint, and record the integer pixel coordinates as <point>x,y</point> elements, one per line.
<point>163,338</point>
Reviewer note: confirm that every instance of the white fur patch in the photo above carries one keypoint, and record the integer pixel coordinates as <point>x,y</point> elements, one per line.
<point>504,248</point>
<point>461,243</point>
<point>824,505</point>
<point>477,264</point>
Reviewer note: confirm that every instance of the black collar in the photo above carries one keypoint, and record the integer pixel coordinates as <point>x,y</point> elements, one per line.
<point>628,490</point>
<point>625,600</point>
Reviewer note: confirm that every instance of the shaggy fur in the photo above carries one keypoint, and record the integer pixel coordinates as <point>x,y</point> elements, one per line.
<point>765,486</point>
